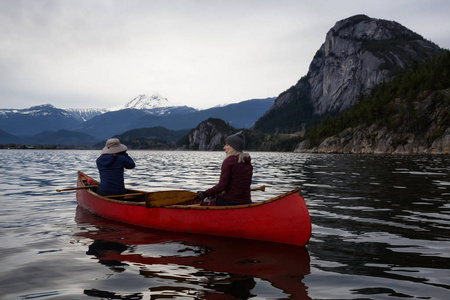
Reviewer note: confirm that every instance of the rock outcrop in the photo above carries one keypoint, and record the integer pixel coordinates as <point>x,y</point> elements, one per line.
<point>208,135</point>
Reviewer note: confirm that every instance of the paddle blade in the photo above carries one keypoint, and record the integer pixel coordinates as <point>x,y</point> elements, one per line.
<point>167,198</point>
<point>260,188</point>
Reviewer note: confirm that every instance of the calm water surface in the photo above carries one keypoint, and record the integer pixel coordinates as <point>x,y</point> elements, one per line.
<point>380,231</point>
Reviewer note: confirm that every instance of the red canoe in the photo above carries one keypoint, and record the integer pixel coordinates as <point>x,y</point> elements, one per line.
<point>283,219</point>
<point>281,265</point>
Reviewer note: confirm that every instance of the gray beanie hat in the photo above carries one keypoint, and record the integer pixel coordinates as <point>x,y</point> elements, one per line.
<point>237,141</point>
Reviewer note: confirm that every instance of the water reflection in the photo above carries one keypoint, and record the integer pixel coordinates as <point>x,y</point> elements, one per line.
<point>175,264</point>
<point>380,230</point>
<point>381,223</point>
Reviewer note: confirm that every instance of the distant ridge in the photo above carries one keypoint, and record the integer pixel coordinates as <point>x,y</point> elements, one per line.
<point>84,114</point>
<point>36,119</point>
<point>20,125</point>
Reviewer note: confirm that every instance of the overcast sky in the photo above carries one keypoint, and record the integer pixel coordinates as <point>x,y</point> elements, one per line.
<point>200,53</point>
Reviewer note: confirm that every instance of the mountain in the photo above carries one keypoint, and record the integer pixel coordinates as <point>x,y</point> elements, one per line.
<point>7,138</point>
<point>84,114</point>
<point>358,53</point>
<point>211,134</point>
<point>408,115</point>
<point>170,110</point>
<point>157,105</point>
<point>149,138</point>
<point>111,123</point>
<point>238,115</point>
<point>20,125</point>
<point>154,133</point>
<point>62,138</point>
<point>36,119</point>
<point>208,135</point>
<point>148,102</point>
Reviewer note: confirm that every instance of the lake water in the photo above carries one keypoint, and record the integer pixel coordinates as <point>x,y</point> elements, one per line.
<point>380,230</point>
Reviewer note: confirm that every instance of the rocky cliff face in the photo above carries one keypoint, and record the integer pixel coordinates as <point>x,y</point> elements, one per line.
<point>379,139</point>
<point>208,135</point>
<point>358,53</point>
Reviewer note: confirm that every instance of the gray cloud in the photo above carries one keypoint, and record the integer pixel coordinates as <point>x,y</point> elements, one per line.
<point>200,53</point>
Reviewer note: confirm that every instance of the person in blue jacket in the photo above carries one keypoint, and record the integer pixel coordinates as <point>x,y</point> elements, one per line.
<point>111,164</point>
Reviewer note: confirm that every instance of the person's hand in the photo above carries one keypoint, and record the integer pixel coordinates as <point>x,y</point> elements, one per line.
<point>201,195</point>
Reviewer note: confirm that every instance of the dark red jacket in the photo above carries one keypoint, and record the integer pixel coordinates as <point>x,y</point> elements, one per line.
<point>235,180</point>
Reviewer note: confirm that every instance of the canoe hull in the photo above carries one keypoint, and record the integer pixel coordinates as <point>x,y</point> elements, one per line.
<point>284,220</point>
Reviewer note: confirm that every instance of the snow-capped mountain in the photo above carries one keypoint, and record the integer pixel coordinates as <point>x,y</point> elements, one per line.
<point>156,105</point>
<point>46,124</point>
<point>148,102</point>
<point>36,119</point>
<point>85,114</point>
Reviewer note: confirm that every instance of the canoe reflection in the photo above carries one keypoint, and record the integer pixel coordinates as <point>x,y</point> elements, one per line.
<point>224,265</point>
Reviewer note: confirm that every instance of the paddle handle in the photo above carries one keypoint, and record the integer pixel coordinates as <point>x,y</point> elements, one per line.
<point>77,188</point>
<point>260,188</point>
<point>123,195</point>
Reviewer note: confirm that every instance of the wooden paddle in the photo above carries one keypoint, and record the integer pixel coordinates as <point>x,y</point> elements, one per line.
<point>86,187</point>
<point>78,188</point>
<point>260,188</point>
<point>167,198</point>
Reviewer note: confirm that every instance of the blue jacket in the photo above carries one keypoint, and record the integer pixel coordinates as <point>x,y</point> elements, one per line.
<point>111,169</point>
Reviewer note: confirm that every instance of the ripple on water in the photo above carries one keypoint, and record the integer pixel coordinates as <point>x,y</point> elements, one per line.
<point>379,228</point>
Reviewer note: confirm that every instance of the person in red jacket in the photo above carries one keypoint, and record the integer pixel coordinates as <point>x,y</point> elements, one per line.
<point>235,177</point>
